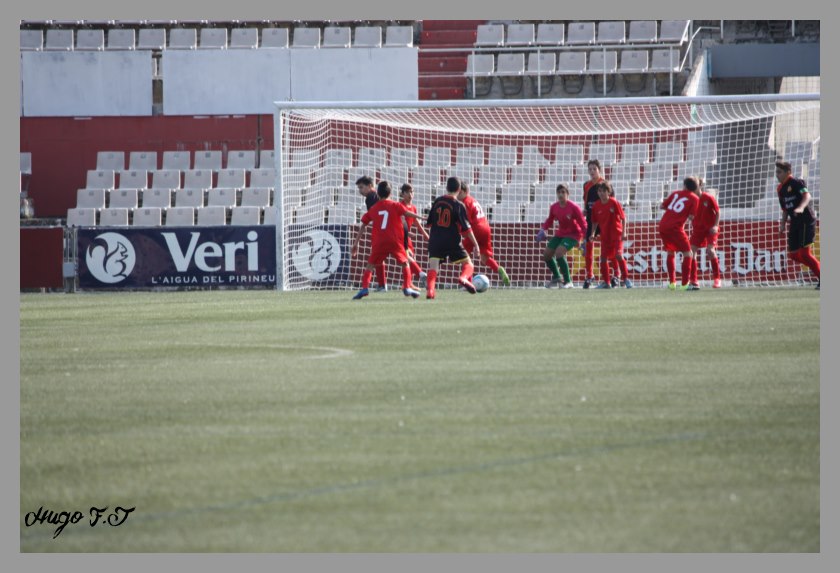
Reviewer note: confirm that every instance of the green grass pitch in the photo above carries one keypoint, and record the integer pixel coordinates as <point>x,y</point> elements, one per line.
<point>636,420</point>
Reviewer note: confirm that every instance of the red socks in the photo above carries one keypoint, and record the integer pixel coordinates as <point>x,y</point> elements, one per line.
<point>366,276</point>
<point>431,279</point>
<point>622,268</point>
<point>686,269</point>
<point>671,265</point>
<point>805,257</point>
<point>380,274</point>
<point>605,271</point>
<point>415,268</point>
<point>715,267</point>
<point>588,260</point>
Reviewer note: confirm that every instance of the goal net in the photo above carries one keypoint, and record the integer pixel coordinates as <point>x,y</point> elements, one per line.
<point>513,153</point>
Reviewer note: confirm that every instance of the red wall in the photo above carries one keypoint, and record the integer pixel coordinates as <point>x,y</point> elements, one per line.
<point>64,149</point>
<point>41,257</point>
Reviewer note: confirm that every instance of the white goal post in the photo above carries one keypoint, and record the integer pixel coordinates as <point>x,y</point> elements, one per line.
<point>515,152</point>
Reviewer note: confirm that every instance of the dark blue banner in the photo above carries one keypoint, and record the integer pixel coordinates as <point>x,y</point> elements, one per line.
<point>320,255</point>
<point>119,257</point>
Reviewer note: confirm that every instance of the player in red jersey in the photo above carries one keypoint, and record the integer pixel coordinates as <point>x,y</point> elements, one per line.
<point>448,222</point>
<point>679,207</point>
<point>571,227</point>
<point>705,228</point>
<point>387,239</point>
<point>609,217</point>
<point>406,198</point>
<point>482,232</point>
<point>795,201</point>
<point>366,189</point>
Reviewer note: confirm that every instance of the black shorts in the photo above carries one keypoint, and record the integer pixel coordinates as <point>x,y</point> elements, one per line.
<point>801,233</point>
<point>446,250</point>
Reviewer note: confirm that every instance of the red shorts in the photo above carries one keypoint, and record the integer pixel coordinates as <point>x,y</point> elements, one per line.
<point>409,246</point>
<point>381,251</point>
<point>611,248</point>
<point>485,241</point>
<point>701,238</point>
<point>675,240</point>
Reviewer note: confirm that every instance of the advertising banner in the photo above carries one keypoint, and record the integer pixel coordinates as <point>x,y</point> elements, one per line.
<point>230,256</point>
<point>320,255</point>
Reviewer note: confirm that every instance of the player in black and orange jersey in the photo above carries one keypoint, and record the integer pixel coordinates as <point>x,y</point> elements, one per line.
<point>448,222</point>
<point>795,201</point>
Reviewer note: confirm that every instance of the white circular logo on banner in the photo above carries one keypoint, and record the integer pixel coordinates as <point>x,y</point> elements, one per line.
<point>110,258</point>
<point>317,256</point>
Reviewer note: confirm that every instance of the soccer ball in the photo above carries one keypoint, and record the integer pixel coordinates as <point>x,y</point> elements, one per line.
<point>481,283</point>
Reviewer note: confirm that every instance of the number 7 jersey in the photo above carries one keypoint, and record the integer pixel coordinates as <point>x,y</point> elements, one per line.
<point>679,206</point>
<point>387,218</point>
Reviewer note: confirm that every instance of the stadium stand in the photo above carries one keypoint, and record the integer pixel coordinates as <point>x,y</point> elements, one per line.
<point>183,39</point>
<point>113,217</point>
<point>269,216</point>
<point>151,39</point>
<point>399,37</point>
<point>212,215</point>
<point>166,179</point>
<point>123,198</point>
<point>611,32</point>
<point>58,39</point>
<point>367,37</point>
<point>306,37</point>
<point>112,160</point>
<point>147,217</point>
<point>581,34</point>
<point>241,159</point>
<point>255,197</point>
<point>213,38</point>
<point>490,35</point>
<point>81,217</point>
<point>121,39</point>
<point>245,216</point>
<point>90,40</point>
<point>146,160</point>
<point>263,177</point>
<point>642,32</point>
<point>157,197</point>
<point>551,34</point>
<point>201,179</point>
<point>336,37</point>
<point>31,40</point>
<point>179,160</point>
<point>247,38</point>
<point>520,35</point>
<point>275,38</point>
<point>606,153</point>
<point>180,217</point>
<point>189,197</point>
<point>210,159</point>
<point>673,31</point>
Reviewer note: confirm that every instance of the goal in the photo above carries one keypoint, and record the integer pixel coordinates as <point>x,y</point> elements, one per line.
<point>513,153</point>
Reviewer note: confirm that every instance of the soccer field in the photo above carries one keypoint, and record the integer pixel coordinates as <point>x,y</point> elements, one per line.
<point>535,420</point>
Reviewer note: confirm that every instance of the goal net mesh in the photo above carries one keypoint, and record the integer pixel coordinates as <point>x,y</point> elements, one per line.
<point>513,155</point>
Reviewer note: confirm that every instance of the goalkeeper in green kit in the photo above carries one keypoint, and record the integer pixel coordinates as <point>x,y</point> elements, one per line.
<point>571,226</point>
